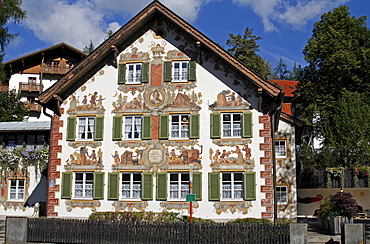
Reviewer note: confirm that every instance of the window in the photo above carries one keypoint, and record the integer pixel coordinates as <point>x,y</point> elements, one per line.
<point>232,186</point>
<point>231,125</point>
<point>83,185</point>
<point>179,185</point>
<point>16,189</point>
<point>85,128</point>
<point>133,73</point>
<point>180,126</point>
<point>281,195</point>
<point>132,127</point>
<point>131,185</point>
<point>280,148</point>
<point>180,71</point>
<point>88,128</point>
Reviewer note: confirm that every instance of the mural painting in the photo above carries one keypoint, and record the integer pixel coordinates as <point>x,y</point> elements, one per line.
<point>82,156</point>
<point>92,101</point>
<point>227,98</point>
<point>238,156</point>
<point>185,156</point>
<point>128,158</point>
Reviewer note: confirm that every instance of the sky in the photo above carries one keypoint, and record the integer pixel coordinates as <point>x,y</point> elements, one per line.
<point>284,25</point>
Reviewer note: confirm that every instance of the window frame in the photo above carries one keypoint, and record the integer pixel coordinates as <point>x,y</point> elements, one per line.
<point>233,189</point>
<point>131,189</point>
<point>183,75</point>
<point>133,78</point>
<point>84,183</point>
<point>92,131</point>
<point>133,117</point>
<point>279,197</point>
<point>232,123</point>
<point>179,189</point>
<point>180,127</point>
<point>17,186</point>
<point>278,152</point>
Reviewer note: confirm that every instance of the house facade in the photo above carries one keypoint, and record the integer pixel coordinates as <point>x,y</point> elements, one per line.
<point>159,111</point>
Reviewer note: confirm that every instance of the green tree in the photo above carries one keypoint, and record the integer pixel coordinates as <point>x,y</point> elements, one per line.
<point>244,48</point>
<point>281,71</point>
<point>90,48</point>
<point>11,109</point>
<point>338,57</point>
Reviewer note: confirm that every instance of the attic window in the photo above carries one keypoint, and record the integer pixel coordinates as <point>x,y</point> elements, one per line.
<point>160,33</point>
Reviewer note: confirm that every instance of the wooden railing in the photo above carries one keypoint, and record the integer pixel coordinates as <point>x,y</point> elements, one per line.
<point>55,69</point>
<point>34,107</point>
<point>30,87</point>
<point>105,231</point>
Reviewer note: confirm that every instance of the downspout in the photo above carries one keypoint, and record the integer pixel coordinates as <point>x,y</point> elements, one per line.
<point>275,115</point>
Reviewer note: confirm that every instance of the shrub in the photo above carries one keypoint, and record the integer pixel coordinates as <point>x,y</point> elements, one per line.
<point>250,220</point>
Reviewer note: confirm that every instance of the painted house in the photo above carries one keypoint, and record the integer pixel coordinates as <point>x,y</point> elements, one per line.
<point>159,111</point>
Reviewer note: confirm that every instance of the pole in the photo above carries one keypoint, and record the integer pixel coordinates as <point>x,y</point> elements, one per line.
<point>191,191</point>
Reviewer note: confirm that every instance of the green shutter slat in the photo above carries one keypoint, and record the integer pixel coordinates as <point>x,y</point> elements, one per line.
<point>163,126</point>
<point>71,128</point>
<point>247,124</point>
<point>113,186</point>
<point>214,186</point>
<point>192,71</point>
<point>215,125</point>
<point>145,73</point>
<point>98,191</point>
<point>99,128</point>
<point>121,74</point>
<point>167,74</point>
<point>249,186</point>
<point>147,187</point>
<point>66,185</point>
<point>146,127</point>
<point>117,128</point>
<point>197,185</point>
<point>161,186</point>
<point>194,126</point>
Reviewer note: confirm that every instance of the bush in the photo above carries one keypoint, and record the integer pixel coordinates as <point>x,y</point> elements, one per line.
<point>250,220</point>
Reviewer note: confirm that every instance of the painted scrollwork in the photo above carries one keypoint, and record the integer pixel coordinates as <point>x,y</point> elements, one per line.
<point>71,204</point>
<point>130,206</point>
<point>178,205</point>
<point>232,207</point>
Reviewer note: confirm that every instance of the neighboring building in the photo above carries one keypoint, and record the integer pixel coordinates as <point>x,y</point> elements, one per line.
<point>34,73</point>
<point>157,103</point>
<point>29,75</point>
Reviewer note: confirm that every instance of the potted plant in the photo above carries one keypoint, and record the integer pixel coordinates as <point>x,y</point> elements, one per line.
<point>336,210</point>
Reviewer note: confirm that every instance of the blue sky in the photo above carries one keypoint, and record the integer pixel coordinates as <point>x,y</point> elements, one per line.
<point>284,25</point>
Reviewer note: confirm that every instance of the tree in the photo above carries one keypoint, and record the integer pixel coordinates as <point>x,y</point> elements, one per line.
<point>244,48</point>
<point>11,109</point>
<point>90,48</point>
<point>281,71</point>
<point>337,55</point>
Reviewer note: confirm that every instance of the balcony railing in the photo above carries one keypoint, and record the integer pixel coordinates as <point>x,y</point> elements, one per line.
<point>55,69</point>
<point>34,107</point>
<point>30,87</point>
<point>4,88</point>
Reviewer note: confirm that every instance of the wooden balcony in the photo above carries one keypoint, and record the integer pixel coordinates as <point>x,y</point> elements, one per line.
<point>55,69</point>
<point>30,87</point>
<point>4,88</point>
<point>34,107</point>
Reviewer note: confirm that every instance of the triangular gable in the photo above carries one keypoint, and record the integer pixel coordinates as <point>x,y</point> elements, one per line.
<point>107,53</point>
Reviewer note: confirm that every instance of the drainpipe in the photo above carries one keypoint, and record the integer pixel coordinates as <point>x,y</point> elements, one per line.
<point>275,115</point>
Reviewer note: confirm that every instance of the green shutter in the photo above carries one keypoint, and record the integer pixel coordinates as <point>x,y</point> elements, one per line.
<point>121,74</point>
<point>197,185</point>
<point>99,128</point>
<point>66,185</point>
<point>71,128</point>
<point>249,186</point>
<point>167,73</point>
<point>247,125</point>
<point>215,125</point>
<point>146,127</point>
<point>194,126</point>
<point>163,126</point>
<point>113,186</point>
<point>161,186</point>
<point>98,191</point>
<point>214,186</point>
<point>117,128</point>
<point>145,73</point>
<point>147,187</point>
<point>192,71</point>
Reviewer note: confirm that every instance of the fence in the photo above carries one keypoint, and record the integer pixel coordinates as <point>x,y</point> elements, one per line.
<point>99,231</point>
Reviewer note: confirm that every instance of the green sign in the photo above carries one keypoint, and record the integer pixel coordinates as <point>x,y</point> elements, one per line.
<point>190,197</point>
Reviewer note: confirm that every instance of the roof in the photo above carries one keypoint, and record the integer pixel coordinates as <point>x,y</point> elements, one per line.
<point>287,108</point>
<point>288,86</point>
<point>35,58</point>
<point>25,126</point>
<point>107,52</point>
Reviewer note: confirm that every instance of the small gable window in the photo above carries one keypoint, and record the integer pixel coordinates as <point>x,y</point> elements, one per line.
<point>231,125</point>
<point>282,194</point>
<point>85,128</point>
<point>179,71</point>
<point>280,148</point>
<point>133,73</point>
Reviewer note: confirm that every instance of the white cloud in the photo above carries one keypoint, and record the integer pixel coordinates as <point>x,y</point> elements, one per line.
<point>283,11</point>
